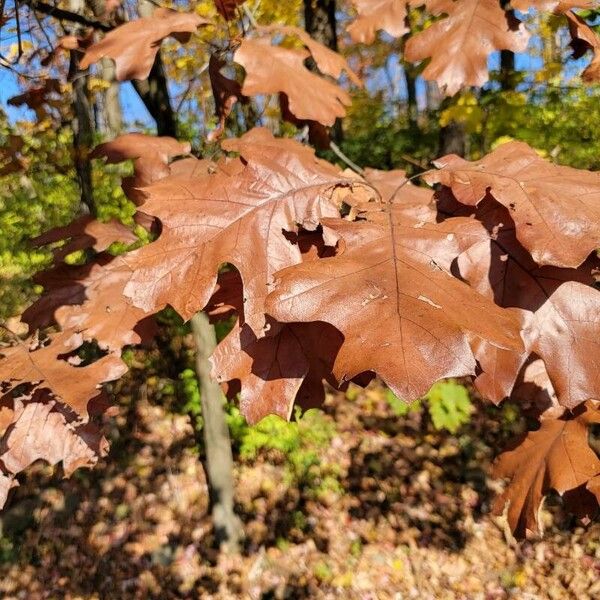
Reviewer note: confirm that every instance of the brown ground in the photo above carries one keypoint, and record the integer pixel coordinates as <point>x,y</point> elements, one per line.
<point>408,519</point>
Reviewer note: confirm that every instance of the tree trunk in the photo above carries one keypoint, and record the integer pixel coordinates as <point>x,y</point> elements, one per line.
<point>83,124</point>
<point>321,24</point>
<point>154,92</point>
<point>219,460</point>
<point>507,70</point>
<point>453,139</point>
<point>507,62</point>
<point>411,90</point>
<point>320,21</point>
<point>112,116</point>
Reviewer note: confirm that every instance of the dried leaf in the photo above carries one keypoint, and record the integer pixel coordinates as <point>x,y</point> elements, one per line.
<point>272,370</point>
<point>86,232</point>
<point>228,8</point>
<point>389,271</point>
<point>556,456</point>
<point>275,69</point>
<point>556,209</point>
<point>151,155</point>
<point>134,45</point>
<point>378,15</point>
<point>42,366</point>
<point>559,308</point>
<point>460,43</point>
<point>584,38</point>
<point>226,93</point>
<point>236,215</point>
<point>43,429</point>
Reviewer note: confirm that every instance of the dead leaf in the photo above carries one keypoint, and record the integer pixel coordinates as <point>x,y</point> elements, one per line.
<point>134,45</point>
<point>458,45</point>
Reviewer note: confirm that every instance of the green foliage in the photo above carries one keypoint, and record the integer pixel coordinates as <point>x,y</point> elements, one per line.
<point>301,443</point>
<point>449,405</point>
<point>447,402</point>
<point>46,195</point>
<point>399,407</point>
<point>191,395</point>
<point>8,551</point>
<point>375,137</point>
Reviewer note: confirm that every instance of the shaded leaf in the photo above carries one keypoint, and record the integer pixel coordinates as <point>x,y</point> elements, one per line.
<point>584,38</point>
<point>74,386</point>
<point>556,209</point>
<point>228,8</point>
<point>235,215</point>
<point>43,429</point>
<point>557,456</point>
<point>389,270</point>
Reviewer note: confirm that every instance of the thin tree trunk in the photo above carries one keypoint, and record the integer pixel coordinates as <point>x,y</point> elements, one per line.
<point>112,116</point>
<point>83,124</point>
<point>219,460</point>
<point>411,89</point>
<point>507,62</point>
<point>507,70</point>
<point>320,23</point>
<point>453,139</point>
<point>154,92</point>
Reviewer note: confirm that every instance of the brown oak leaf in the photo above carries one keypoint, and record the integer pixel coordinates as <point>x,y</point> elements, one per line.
<point>376,15</point>
<point>236,215</point>
<point>584,38</point>
<point>276,370</point>
<point>228,8</point>
<point>42,366</point>
<point>557,456</point>
<point>151,155</point>
<point>556,209</point>
<point>276,69</point>
<point>558,305</point>
<point>226,92</point>
<point>134,45</point>
<point>460,43</point>
<point>83,233</point>
<point>390,269</point>
<point>287,366</point>
<point>41,428</point>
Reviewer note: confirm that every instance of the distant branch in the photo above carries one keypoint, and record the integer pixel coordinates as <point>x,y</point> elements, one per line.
<point>65,15</point>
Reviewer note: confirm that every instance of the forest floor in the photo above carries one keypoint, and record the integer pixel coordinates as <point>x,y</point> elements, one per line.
<point>391,509</point>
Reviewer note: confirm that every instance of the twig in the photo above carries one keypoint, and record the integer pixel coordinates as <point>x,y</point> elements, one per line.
<point>404,183</point>
<point>336,150</point>
<point>66,15</point>
<point>413,161</point>
<point>250,16</point>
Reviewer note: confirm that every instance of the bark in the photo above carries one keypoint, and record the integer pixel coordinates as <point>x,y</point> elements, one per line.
<point>219,460</point>
<point>507,62</point>
<point>452,139</point>
<point>434,97</point>
<point>111,114</point>
<point>411,89</point>
<point>154,92</point>
<point>507,70</point>
<point>320,23</point>
<point>83,124</point>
